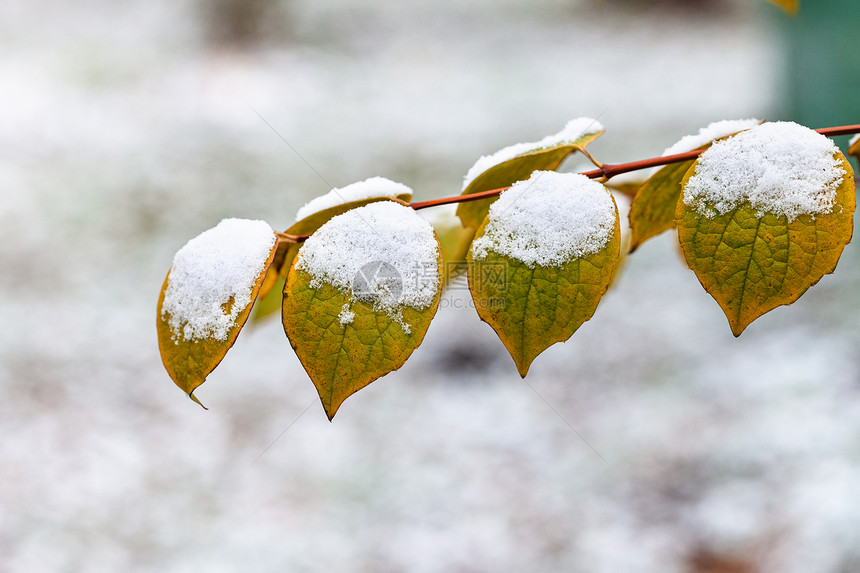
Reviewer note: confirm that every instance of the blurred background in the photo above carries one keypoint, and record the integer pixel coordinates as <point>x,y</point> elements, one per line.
<point>652,441</point>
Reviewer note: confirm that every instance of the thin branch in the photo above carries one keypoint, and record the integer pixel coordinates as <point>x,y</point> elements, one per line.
<point>608,171</point>
<point>292,239</point>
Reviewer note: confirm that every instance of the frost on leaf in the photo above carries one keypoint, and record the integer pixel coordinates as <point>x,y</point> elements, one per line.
<point>764,215</point>
<point>517,162</point>
<point>207,296</point>
<point>360,296</point>
<point>542,260</point>
<point>653,208</point>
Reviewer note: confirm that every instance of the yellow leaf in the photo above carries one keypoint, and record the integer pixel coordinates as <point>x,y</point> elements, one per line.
<point>752,263</point>
<point>628,188</point>
<point>790,6</point>
<point>518,168</point>
<point>344,341</point>
<point>533,306</point>
<point>189,360</point>
<point>854,148</point>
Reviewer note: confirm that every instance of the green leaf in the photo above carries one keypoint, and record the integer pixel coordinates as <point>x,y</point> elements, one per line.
<point>652,210</point>
<point>270,296</point>
<point>752,264</point>
<point>341,359</point>
<point>269,305</point>
<point>518,168</point>
<point>189,361</point>
<point>532,308</point>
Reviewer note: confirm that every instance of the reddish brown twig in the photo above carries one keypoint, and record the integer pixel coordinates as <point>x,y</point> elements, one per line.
<point>607,171</point>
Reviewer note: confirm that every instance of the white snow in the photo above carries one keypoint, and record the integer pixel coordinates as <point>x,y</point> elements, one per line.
<point>781,168</point>
<point>346,316</point>
<point>214,268</point>
<point>386,246</point>
<point>372,187</point>
<point>549,220</point>
<point>707,134</point>
<point>575,129</point>
<point>854,139</point>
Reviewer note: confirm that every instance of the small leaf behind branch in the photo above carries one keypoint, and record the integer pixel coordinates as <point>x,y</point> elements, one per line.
<point>541,156</point>
<point>652,210</point>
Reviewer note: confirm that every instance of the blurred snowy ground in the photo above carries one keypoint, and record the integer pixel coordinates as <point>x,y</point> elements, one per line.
<point>125,130</point>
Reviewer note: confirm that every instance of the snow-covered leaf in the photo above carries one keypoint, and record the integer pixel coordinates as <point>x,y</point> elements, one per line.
<point>764,215</point>
<point>542,260</point>
<point>653,208</point>
<point>517,162</point>
<point>207,296</point>
<point>360,296</point>
<point>311,217</point>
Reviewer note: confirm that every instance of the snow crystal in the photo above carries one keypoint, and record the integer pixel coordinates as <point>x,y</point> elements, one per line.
<point>549,220</point>
<point>575,129</point>
<point>212,278</point>
<point>709,133</point>
<point>781,168</point>
<point>346,316</point>
<point>382,253</point>
<point>373,187</point>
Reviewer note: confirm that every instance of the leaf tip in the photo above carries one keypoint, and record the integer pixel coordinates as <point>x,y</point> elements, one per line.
<point>194,398</point>
<point>331,409</point>
<point>523,367</point>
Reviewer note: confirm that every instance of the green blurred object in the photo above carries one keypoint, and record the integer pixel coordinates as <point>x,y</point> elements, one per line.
<point>822,81</point>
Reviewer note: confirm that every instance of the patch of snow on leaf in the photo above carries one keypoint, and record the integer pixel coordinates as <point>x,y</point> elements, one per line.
<point>549,220</point>
<point>345,316</point>
<point>709,133</point>
<point>382,253</point>
<point>575,129</point>
<point>781,168</point>
<point>367,189</point>
<point>213,276</point>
